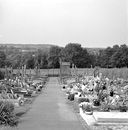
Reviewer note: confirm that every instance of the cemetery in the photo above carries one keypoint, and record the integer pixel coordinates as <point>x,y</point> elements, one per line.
<point>102,102</point>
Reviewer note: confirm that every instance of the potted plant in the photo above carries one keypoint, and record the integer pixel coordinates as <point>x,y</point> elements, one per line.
<point>123,107</point>
<point>71,97</point>
<point>96,102</point>
<point>87,108</point>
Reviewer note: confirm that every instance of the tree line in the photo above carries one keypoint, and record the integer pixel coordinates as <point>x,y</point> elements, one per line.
<point>110,57</point>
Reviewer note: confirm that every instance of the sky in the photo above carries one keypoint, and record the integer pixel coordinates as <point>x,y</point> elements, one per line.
<point>92,23</point>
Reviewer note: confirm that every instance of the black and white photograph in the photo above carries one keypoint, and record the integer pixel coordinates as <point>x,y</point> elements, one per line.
<point>63,64</point>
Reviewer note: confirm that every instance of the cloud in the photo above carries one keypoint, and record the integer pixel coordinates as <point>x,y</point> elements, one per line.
<point>1,36</point>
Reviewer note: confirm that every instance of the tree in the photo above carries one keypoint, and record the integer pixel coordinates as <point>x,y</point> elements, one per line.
<point>53,57</point>
<point>44,61</point>
<point>2,59</point>
<point>83,59</point>
<point>77,55</point>
<point>71,51</point>
<point>117,56</point>
<point>30,64</point>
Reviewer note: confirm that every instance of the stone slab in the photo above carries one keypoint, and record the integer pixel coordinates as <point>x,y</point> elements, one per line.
<point>111,117</point>
<point>105,118</point>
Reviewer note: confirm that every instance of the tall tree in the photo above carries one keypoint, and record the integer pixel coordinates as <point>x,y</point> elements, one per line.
<point>44,61</point>
<point>53,57</point>
<point>71,51</point>
<point>2,59</point>
<point>30,64</point>
<point>77,55</point>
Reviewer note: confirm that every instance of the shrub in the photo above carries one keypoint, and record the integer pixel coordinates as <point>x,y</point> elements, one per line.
<point>7,115</point>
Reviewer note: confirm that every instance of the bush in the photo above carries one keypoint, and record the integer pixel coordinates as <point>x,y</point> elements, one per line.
<point>7,115</point>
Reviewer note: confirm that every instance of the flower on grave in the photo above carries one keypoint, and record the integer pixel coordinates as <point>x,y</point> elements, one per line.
<point>86,106</point>
<point>105,106</point>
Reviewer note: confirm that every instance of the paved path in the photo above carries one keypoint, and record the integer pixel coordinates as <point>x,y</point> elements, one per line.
<point>50,111</point>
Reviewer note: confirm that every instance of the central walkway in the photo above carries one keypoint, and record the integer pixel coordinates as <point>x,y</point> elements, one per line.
<point>50,111</point>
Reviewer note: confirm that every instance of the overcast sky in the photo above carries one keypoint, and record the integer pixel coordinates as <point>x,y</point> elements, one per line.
<point>92,23</point>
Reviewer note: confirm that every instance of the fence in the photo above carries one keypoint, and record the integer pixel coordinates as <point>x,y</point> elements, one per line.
<point>110,73</point>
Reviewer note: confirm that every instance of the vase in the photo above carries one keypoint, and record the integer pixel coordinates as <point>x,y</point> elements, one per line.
<point>123,108</point>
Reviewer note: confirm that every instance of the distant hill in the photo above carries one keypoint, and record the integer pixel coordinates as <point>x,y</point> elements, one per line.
<point>29,47</point>
<point>43,47</point>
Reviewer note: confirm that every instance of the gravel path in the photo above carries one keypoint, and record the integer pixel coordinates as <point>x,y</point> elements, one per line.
<point>50,111</point>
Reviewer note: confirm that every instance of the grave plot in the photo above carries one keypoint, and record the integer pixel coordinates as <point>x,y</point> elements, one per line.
<point>100,100</point>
